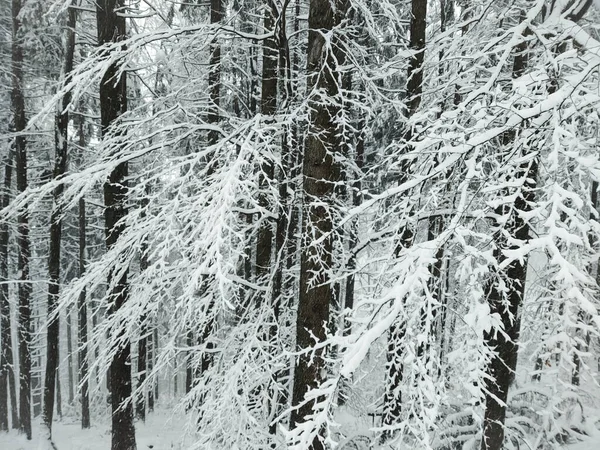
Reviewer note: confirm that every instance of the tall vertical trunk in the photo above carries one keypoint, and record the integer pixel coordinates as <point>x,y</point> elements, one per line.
<point>82,309</point>
<point>70,373</point>
<point>7,375</point>
<point>82,317</point>
<point>214,71</point>
<point>113,103</point>
<point>61,142</point>
<point>320,172</point>
<point>414,91</point>
<point>143,340</point>
<point>24,289</point>
<point>503,363</point>
<point>268,106</point>
<point>217,13</point>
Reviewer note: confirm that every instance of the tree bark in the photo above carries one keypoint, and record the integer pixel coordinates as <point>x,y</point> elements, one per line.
<point>24,289</point>
<point>320,172</point>
<point>7,375</point>
<point>61,142</point>
<point>113,103</point>
<point>82,309</point>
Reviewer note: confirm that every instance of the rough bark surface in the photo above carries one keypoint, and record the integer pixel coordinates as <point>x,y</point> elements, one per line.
<point>24,289</point>
<point>60,165</point>
<point>7,375</point>
<point>113,103</point>
<point>320,172</point>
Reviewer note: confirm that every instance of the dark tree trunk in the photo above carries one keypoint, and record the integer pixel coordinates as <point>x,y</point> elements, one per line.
<point>61,142</point>
<point>142,354</point>
<point>154,397</point>
<point>58,396</point>
<point>70,373</point>
<point>320,172</point>
<point>151,356</point>
<point>113,103</point>
<point>82,319</point>
<point>502,365</point>
<point>7,375</point>
<point>214,72</point>
<point>143,340</point>
<point>217,13</point>
<point>414,91</point>
<point>24,289</point>
<point>268,106</point>
<point>189,369</point>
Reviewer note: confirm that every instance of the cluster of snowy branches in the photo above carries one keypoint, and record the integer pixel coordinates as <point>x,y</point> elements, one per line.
<point>346,221</point>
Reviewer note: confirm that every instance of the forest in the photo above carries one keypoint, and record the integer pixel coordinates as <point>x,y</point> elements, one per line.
<point>300,224</point>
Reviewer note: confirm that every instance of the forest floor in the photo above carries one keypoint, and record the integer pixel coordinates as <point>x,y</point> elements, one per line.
<point>161,431</point>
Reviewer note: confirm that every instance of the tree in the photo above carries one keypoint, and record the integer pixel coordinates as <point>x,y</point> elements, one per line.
<point>113,103</point>
<point>61,151</point>
<point>19,124</point>
<point>320,172</point>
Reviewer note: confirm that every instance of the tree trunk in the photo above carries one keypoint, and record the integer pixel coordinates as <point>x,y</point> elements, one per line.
<point>82,308</point>
<point>24,289</point>
<point>320,172</point>
<point>268,106</point>
<point>113,103</point>
<point>7,375</point>
<point>503,363</point>
<point>214,72</point>
<point>61,142</point>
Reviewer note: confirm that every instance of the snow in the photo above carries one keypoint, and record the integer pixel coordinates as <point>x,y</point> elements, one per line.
<point>162,430</point>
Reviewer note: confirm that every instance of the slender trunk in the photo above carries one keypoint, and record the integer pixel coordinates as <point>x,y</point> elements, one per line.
<point>7,375</point>
<point>152,339</point>
<point>58,396</point>
<point>71,374</point>
<point>24,289</point>
<point>320,172</point>
<point>214,72</point>
<point>143,340</point>
<point>217,13</point>
<point>113,103</point>
<point>154,356</point>
<point>82,319</point>
<point>61,142</point>
<point>189,370</point>
<point>503,363</point>
<point>268,106</point>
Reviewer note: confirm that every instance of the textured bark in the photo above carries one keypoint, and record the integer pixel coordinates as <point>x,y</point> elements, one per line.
<point>24,289</point>
<point>320,172</point>
<point>217,13</point>
<point>268,105</point>
<point>113,103</point>
<point>7,375</point>
<point>82,319</point>
<point>142,365</point>
<point>61,142</point>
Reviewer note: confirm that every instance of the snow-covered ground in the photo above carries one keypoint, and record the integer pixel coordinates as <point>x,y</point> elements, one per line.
<point>161,431</point>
